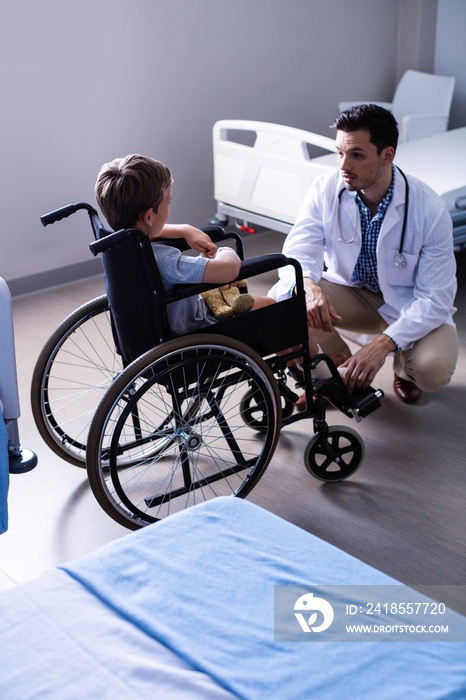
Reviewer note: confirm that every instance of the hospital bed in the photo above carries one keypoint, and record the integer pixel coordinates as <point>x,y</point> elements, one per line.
<point>262,172</point>
<point>192,607</point>
<point>13,459</point>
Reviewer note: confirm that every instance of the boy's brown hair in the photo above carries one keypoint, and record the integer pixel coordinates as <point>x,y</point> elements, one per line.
<point>128,186</point>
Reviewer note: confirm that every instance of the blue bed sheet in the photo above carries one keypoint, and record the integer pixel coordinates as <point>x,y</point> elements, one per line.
<point>202,582</point>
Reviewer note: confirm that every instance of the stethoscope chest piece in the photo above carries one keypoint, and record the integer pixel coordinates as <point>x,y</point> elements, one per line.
<point>399,260</point>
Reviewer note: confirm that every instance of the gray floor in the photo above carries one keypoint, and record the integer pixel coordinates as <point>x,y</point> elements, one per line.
<point>403,512</point>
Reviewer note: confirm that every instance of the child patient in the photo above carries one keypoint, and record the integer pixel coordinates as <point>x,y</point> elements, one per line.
<point>135,192</point>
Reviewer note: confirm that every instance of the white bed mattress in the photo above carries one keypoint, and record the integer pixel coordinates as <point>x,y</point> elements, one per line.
<point>59,641</point>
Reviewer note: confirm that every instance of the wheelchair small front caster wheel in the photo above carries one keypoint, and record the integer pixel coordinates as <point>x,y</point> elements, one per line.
<point>254,413</point>
<point>335,457</point>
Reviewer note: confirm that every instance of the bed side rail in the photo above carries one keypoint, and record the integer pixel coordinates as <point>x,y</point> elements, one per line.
<point>265,169</point>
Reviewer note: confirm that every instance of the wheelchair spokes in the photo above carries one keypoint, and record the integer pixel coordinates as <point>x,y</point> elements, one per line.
<point>193,393</point>
<point>75,368</point>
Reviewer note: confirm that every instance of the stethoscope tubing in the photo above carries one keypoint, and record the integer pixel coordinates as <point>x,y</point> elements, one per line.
<point>399,260</point>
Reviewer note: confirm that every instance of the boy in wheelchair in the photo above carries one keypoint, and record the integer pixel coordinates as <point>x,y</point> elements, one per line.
<point>135,192</point>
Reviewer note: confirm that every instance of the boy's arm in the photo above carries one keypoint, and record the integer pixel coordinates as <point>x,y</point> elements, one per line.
<point>194,237</point>
<point>223,268</point>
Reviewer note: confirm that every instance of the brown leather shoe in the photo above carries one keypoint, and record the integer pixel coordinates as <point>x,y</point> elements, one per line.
<point>406,391</point>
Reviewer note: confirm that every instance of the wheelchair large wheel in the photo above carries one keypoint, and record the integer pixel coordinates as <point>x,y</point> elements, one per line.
<point>169,433</point>
<point>75,368</point>
<point>335,458</point>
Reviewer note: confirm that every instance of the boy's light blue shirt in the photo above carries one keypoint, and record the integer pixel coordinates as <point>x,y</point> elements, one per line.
<point>175,268</point>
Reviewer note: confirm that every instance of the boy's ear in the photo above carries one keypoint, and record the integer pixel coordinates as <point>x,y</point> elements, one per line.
<point>147,215</point>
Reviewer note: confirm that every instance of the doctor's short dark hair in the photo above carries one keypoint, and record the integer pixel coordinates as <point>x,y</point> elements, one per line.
<point>378,121</point>
<point>128,186</point>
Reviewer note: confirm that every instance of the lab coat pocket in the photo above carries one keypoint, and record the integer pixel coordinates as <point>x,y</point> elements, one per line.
<point>400,270</point>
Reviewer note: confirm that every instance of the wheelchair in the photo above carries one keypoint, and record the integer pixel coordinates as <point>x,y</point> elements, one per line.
<point>162,422</point>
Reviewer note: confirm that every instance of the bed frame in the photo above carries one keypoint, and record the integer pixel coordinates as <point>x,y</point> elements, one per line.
<point>262,172</point>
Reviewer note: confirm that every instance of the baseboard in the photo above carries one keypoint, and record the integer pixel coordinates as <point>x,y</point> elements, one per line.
<point>54,278</point>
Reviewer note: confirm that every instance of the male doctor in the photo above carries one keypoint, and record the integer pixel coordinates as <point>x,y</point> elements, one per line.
<point>376,248</point>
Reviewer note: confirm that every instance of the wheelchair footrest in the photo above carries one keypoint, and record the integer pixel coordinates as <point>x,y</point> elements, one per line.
<point>359,404</point>
<point>366,400</point>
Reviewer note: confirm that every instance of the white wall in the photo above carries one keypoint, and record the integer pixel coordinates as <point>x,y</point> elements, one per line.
<point>82,86</point>
<point>450,57</point>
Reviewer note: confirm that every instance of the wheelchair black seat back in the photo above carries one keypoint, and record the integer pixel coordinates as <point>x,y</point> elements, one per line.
<point>135,294</point>
<point>189,418</point>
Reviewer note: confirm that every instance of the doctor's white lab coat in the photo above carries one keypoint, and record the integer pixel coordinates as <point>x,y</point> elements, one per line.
<point>418,297</point>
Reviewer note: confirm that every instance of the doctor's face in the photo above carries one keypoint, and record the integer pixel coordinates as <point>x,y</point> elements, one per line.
<point>362,167</point>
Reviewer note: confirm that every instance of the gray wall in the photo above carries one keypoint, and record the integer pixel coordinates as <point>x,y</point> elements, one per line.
<point>118,76</point>
<point>450,55</point>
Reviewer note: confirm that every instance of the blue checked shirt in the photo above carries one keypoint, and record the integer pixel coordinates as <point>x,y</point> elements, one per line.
<point>365,270</point>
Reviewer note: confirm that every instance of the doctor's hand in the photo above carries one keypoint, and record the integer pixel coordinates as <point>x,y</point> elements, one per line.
<point>362,367</point>
<point>320,311</point>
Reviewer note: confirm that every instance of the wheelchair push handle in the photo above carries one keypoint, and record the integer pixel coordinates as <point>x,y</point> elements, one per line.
<point>64,212</point>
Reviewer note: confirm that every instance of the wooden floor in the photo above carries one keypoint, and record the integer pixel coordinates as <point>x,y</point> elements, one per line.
<point>403,512</point>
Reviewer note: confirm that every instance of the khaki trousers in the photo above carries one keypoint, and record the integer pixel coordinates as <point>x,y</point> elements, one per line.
<point>430,363</point>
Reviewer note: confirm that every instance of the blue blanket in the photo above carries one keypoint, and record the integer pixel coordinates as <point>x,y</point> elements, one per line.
<point>4,475</point>
<point>202,582</point>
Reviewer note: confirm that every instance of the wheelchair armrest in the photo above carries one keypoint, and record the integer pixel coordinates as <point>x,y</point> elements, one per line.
<point>249,268</point>
<point>216,233</point>
<point>113,239</point>
<point>264,263</point>
<point>272,261</point>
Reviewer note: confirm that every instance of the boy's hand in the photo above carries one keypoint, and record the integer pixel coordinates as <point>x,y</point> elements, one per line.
<point>194,237</point>
<point>200,242</point>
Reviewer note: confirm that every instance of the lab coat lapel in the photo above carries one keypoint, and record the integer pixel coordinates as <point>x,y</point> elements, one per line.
<point>393,217</point>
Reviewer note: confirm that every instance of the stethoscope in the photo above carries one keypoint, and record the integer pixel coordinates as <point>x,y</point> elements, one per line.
<point>399,260</point>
